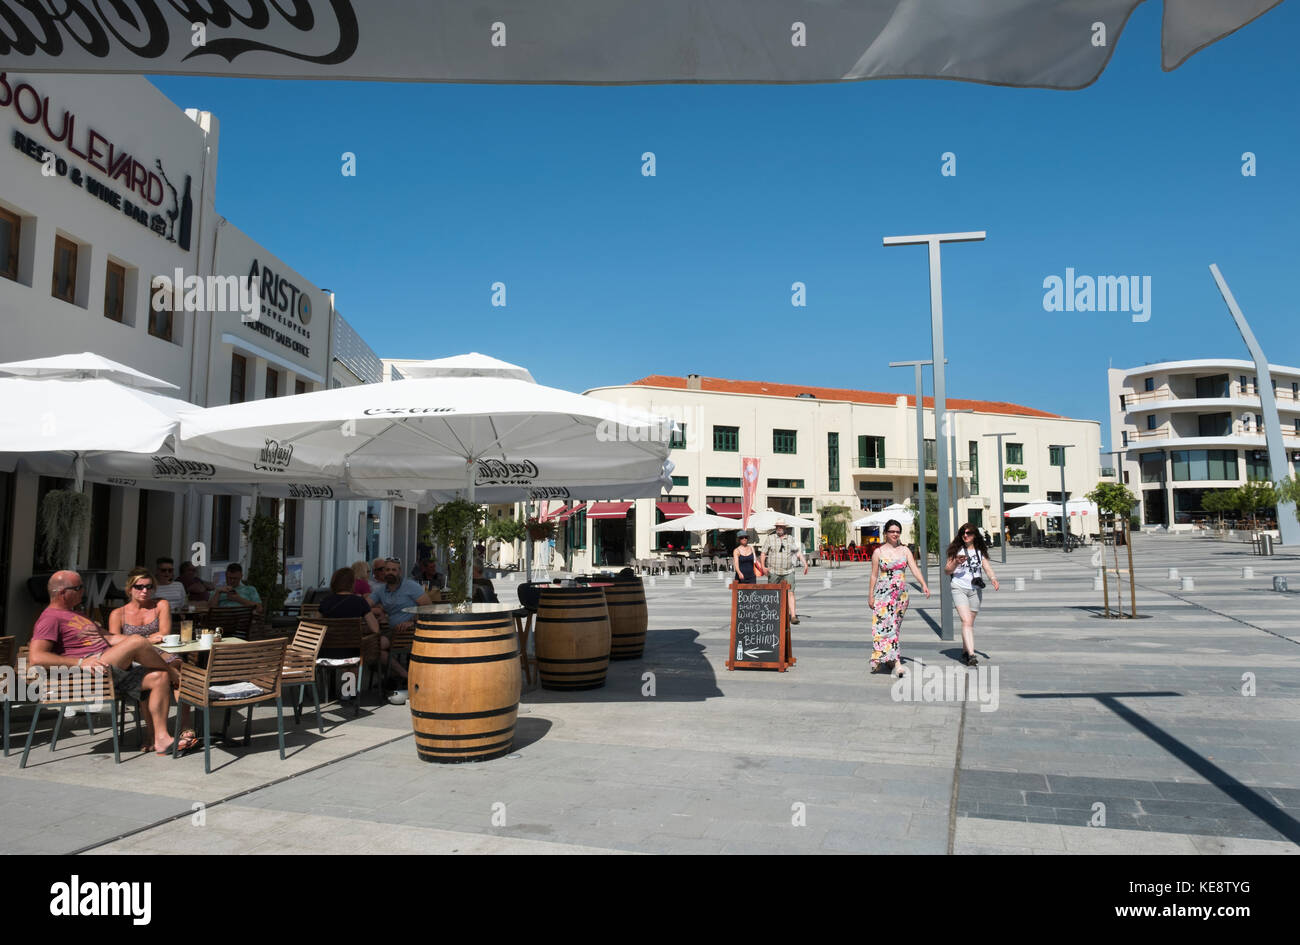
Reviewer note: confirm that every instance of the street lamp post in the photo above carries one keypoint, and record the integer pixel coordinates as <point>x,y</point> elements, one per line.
<point>1065,517</point>
<point>933,242</point>
<point>1002,533</point>
<point>923,546</point>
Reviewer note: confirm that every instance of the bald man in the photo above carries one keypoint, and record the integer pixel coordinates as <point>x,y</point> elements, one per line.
<point>63,637</point>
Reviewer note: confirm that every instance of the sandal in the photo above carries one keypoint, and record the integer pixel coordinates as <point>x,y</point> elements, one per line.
<point>187,741</point>
<point>973,661</point>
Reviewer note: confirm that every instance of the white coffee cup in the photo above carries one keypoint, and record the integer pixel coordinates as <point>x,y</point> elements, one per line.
<point>172,639</point>
<point>205,642</point>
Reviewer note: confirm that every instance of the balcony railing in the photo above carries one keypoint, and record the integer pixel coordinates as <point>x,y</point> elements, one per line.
<point>1164,394</point>
<point>908,465</point>
<point>1165,432</point>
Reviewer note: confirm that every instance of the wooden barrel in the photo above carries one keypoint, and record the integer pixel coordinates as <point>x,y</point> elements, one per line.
<point>572,637</point>
<point>464,684</point>
<point>628,619</point>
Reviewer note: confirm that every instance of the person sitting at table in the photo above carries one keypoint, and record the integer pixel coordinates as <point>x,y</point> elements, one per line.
<point>63,637</point>
<point>426,572</point>
<point>197,590</point>
<point>144,615</point>
<point>235,593</point>
<point>484,592</point>
<point>360,572</point>
<point>392,599</point>
<point>344,601</point>
<point>173,592</point>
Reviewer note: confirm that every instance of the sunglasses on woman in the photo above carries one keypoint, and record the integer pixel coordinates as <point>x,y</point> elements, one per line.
<point>142,587</point>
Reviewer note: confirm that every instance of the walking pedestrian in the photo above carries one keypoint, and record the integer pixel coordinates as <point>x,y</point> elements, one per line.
<point>967,564</point>
<point>745,562</point>
<point>785,551</point>
<point>889,567</point>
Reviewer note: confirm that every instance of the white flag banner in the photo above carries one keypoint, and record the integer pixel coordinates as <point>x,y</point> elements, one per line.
<point>1060,44</point>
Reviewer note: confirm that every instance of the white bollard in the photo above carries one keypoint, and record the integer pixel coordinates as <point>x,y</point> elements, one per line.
<point>1189,584</point>
<point>826,582</point>
<point>1248,572</point>
<point>690,580</point>
<point>1020,584</point>
<point>511,577</point>
<point>1038,574</point>
<point>1173,574</point>
<point>652,580</point>
<point>1096,584</point>
<point>722,575</point>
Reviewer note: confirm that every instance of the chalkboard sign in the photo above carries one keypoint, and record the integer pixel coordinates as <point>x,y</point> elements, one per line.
<point>760,633</point>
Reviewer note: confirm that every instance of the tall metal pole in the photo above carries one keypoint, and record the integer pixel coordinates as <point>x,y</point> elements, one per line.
<point>954,470</point>
<point>1287,524</point>
<point>1065,516</point>
<point>940,398</point>
<point>1002,528</point>
<point>922,546</point>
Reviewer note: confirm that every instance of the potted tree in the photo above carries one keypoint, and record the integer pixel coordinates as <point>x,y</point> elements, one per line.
<point>452,526</point>
<point>1114,499</point>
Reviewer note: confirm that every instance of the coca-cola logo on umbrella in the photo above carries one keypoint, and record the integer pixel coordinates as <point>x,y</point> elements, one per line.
<point>504,472</point>
<point>549,492</point>
<point>405,411</point>
<point>169,467</point>
<point>274,456</point>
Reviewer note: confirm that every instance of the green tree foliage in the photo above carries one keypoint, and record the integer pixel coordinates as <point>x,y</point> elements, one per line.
<point>451,526</point>
<point>264,567</point>
<point>508,529</point>
<point>835,523</point>
<point>1254,497</point>
<point>1220,502</point>
<point>1288,490</point>
<point>1113,498</point>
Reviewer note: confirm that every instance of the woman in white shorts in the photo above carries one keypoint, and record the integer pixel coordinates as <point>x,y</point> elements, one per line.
<point>967,564</point>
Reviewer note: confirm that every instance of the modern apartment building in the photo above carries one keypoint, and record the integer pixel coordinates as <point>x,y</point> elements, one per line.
<point>1185,428</point>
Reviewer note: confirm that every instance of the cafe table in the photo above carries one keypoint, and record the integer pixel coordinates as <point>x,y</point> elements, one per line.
<point>195,649</point>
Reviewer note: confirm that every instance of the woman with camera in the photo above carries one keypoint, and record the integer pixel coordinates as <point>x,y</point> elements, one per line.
<point>967,564</point>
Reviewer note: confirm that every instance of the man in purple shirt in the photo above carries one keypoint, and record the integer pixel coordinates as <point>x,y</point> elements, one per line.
<point>63,637</point>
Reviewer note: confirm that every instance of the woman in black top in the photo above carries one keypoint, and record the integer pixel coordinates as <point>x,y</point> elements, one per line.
<point>745,561</point>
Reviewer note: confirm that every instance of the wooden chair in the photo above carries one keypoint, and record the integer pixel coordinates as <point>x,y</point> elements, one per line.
<point>399,641</point>
<point>309,611</point>
<point>349,634</point>
<point>233,621</point>
<point>73,688</point>
<point>257,665</point>
<point>300,667</point>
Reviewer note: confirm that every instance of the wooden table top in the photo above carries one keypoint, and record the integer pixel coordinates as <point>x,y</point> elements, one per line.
<point>195,647</point>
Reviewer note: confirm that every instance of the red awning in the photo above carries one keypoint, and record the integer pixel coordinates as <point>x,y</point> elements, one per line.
<point>673,509</point>
<point>727,509</point>
<point>608,509</point>
<point>562,514</point>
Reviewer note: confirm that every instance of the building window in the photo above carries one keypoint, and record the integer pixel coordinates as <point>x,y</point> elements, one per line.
<point>726,439</point>
<point>299,386</point>
<point>63,282</point>
<point>1150,384</point>
<point>974,452</point>
<point>805,506</point>
<point>115,292</point>
<point>1242,385</point>
<point>1259,423</point>
<point>238,378</point>
<point>1217,465</point>
<point>1215,386</point>
<point>164,298</point>
<point>1123,437</point>
<point>871,452</point>
<point>1214,424</point>
<point>725,482</point>
<point>272,382</point>
<point>785,483</point>
<point>1055,456</point>
<point>931,456</point>
<point>1056,497</point>
<point>678,439</point>
<point>877,487</point>
<point>576,528</point>
<point>1257,468</point>
<point>221,528</point>
<point>1016,453</point>
<point>1297,425</point>
<point>784,441</point>
<point>1153,467</point>
<point>1122,406</point>
<point>722,499</point>
<point>681,480</point>
<point>1151,421</point>
<point>1295,390</point>
<point>1015,488</point>
<point>10,238</point>
<point>832,462</point>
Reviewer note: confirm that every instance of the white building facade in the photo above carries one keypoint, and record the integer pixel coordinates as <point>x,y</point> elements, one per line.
<point>1185,428</point>
<point>106,187</point>
<point>818,447</point>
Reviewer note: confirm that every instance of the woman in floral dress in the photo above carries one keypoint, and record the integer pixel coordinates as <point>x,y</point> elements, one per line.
<point>889,566</point>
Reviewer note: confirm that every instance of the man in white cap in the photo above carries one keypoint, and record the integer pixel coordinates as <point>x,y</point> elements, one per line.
<point>780,552</point>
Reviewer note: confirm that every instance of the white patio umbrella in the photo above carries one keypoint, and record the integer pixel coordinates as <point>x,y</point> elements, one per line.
<point>699,522</point>
<point>1030,509</point>
<point>766,520</point>
<point>491,436</point>
<point>904,514</point>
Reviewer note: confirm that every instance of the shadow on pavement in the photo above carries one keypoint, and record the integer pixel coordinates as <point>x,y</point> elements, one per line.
<point>681,673</point>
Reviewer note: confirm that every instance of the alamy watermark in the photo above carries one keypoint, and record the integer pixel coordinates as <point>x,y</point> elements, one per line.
<point>949,684</point>
<point>679,425</point>
<point>1099,294</point>
<point>182,293</point>
<point>32,685</point>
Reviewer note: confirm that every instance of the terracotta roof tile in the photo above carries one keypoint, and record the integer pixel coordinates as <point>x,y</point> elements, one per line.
<point>763,388</point>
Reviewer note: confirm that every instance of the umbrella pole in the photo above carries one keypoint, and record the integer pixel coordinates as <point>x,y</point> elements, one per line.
<point>79,480</point>
<point>469,538</point>
<point>528,544</point>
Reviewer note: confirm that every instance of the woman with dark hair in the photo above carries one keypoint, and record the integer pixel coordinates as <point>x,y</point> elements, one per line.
<point>745,562</point>
<point>968,561</point>
<point>889,566</point>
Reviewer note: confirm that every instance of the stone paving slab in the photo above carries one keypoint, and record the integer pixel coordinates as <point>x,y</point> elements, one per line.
<point>1147,716</point>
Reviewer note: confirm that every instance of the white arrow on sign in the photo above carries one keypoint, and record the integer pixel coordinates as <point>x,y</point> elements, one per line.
<point>756,652</point>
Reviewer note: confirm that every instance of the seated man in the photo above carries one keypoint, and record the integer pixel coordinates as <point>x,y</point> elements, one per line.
<point>63,637</point>
<point>484,592</point>
<point>165,588</point>
<point>235,593</point>
<point>197,590</point>
<point>393,597</point>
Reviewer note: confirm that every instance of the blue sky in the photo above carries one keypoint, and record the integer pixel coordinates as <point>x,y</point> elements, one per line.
<point>611,275</point>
